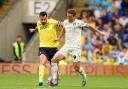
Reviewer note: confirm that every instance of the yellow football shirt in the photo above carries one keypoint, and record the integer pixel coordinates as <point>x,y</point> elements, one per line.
<point>47,33</point>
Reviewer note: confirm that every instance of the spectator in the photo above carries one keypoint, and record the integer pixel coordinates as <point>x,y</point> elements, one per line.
<point>116,12</point>
<point>106,4</point>
<point>123,55</point>
<point>118,31</point>
<point>18,48</point>
<point>116,3</point>
<point>94,4</point>
<point>111,39</point>
<point>88,48</point>
<point>124,19</point>
<point>125,36</point>
<point>99,24</point>
<point>91,20</point>
<point>100,12</point>
<point>107,30</point>
<point>83,15</point>
<point>115,52</point>
<point>124,5</point>
<point>97,46</point>
<point>106,50</point>
<point>97,58</point>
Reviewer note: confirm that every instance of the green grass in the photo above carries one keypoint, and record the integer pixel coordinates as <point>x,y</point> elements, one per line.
<point>25,81</point>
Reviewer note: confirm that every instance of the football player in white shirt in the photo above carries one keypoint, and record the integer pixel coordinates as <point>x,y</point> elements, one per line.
<point>72,29</point>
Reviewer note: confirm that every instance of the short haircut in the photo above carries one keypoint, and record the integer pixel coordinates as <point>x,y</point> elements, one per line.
<point>19,36</point>
<point>71,11</point>
<point>43,13</point>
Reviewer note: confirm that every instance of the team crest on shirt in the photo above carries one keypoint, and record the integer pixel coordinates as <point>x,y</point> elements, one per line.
<point>74,24</point>
<point>44,27</point>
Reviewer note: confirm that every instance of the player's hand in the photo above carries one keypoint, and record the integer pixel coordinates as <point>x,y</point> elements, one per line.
<point>103,33</point>
<point>57,39</point>
<point>31,30</point>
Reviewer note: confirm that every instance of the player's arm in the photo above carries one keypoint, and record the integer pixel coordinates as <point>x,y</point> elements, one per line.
<point>60,35</point>
<point>92,28</point>
<point>33,29</point>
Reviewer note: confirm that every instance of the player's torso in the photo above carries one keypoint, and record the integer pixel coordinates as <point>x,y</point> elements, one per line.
<point>47,34</point>
<point>72,33</point>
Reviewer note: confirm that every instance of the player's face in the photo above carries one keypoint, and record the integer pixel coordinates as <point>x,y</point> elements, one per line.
<point>43,19</point>
<point>70,17</point>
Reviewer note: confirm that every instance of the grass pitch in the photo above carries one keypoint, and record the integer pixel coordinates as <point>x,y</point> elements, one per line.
<point>26,81</point>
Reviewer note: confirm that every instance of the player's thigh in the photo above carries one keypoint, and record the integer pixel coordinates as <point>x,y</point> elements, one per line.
<point>43,55</point>
<point>61,54</point>
<point>43,59</point>
<point>57,57</point>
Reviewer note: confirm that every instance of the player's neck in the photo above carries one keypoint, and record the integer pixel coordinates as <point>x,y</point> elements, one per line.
<point>43,23</point>
<point>71,20</point>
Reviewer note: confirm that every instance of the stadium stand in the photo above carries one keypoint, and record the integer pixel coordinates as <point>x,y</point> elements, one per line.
<point>4,6</point>
<point>110,16</point>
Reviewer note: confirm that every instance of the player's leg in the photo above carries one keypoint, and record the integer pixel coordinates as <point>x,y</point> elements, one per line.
<point>54,63</point>
<point>80,69</point>
<point>57,57</point>
<point>52,52</point>
<point>76,54</point>
<point>43,61</point>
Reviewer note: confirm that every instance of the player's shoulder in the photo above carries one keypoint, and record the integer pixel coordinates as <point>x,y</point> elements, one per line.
<point>38,23</point>
<point>65,21</point>
<point>51,20</point>
<point>79,21</point>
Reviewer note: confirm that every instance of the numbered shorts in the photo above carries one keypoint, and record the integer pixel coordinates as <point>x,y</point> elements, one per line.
<point>73,51</point>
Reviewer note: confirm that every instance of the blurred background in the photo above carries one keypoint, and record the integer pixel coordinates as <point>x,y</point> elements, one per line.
<point>102,56</point>
<point>110,16</point>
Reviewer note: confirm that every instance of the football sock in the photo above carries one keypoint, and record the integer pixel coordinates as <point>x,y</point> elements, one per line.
<point>82,73</point>
<point>54,69</point>
<point>41,72</point>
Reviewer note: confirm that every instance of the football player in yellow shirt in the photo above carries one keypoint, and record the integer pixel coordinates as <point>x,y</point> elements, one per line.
<point>47,39</point>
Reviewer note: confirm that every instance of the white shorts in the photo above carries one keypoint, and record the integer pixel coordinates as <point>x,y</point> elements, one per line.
<point>75,52</point>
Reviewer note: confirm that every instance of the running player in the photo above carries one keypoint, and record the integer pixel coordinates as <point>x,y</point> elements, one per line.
<point>72,46</point>
<point>47,38</point>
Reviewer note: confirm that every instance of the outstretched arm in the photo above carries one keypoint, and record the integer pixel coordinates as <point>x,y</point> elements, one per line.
<point>93,29</point>
<point>33,29</point>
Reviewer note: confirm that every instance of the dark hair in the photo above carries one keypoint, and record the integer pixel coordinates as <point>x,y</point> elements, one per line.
<point>71,11</point>
<point>43,13</point>
<point>19,36</point>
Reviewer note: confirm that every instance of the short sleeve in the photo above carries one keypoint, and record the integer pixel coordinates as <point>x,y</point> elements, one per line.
<point>82,24</point>
<point>38,23</point>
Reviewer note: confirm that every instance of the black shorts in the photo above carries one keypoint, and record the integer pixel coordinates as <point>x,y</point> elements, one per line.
<point>48,52</point>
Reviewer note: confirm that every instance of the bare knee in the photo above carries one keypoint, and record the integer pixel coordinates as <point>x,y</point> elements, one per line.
<point>54,60</point>
<point>43,59</point>
<point>57,57</point>
<point>76,68</point>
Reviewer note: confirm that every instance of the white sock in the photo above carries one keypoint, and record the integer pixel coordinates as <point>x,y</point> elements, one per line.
<point>54,69</point>
<point>82,73</point>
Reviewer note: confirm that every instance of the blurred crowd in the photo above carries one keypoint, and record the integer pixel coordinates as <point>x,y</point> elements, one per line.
<point>111,17</point>
<point>2,3</point>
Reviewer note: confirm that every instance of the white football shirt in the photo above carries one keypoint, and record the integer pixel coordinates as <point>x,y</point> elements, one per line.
<point>73,32</point>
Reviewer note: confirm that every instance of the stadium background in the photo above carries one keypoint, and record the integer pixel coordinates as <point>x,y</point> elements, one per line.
<point>100,55</point>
